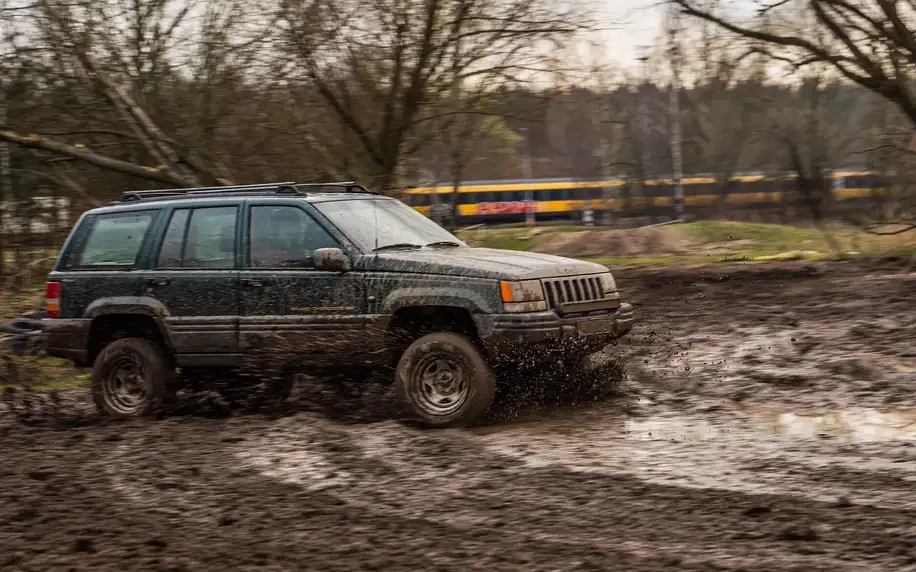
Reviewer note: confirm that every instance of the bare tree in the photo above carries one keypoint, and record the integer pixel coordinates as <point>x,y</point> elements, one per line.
<point>119,63</point>
<point>723,104</point>
<point>384,67</point>
<point>866,42</point>
<point>869,42</point>
<point>890,153</point>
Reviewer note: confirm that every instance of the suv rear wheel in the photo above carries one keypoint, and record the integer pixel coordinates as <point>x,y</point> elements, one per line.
<point>131,377</point>
<point>443,380</point>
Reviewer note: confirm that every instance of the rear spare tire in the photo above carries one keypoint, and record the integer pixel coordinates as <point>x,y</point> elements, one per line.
<point>131,377</point>
<point>443,380</point>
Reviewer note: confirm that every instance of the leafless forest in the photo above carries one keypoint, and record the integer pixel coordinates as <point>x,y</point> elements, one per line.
<point>102,95</point>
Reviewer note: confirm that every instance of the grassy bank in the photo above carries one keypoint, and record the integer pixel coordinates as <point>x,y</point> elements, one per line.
<point>695,242</point>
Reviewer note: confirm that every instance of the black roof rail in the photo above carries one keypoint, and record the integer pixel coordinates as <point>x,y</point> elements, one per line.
<point>287,186</point>
<point>347,186</point>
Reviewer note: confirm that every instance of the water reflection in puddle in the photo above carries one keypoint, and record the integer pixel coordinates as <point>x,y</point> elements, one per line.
<point>749,451</point>
<point>861,425</point>
<point>851,425</point>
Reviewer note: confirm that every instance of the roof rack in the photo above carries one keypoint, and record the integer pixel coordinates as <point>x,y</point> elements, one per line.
<point>286,187</point>
<point>159,193</point>
<point>347,186</point>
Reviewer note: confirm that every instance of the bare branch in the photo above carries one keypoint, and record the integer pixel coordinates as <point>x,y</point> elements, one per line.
<point>93,158</point>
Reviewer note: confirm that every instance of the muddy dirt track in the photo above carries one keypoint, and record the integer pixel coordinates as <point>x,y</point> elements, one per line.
<point>766,422</point>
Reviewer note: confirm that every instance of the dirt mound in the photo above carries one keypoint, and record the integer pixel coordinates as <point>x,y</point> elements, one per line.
<point>657,241</point>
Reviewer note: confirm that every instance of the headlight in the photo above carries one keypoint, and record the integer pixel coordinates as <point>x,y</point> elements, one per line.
<point>523,296</point>
<point>607,283</point>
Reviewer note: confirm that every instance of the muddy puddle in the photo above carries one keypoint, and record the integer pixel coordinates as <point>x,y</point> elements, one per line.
<point>745,423</point>
<point>751,450</point>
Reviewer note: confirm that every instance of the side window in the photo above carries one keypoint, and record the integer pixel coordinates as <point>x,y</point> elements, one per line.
<point>285,237</point>
<point>115,239</point>
<point>170,251</point>
<point>210,241</point>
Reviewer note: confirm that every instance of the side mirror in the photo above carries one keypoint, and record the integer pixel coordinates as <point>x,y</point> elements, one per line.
<point>332,259</point>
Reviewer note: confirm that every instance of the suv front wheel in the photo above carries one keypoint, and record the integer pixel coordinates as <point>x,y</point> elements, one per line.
<point>131,377</point>
<point>443,380</point>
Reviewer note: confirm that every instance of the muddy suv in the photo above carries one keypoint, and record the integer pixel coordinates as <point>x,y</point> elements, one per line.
<point>173,287</point>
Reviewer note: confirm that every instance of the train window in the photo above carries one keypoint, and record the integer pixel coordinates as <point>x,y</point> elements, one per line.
<point>515,195</point>
<point>701,189</point>
<point>660,191</point>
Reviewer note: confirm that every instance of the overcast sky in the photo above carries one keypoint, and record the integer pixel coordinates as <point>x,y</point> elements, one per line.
<point>641,22</point>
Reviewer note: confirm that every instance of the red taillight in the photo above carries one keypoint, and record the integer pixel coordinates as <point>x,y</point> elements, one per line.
<point>52,299</point>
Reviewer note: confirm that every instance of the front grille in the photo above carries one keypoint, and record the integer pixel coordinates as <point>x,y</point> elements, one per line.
<point>562,291</point>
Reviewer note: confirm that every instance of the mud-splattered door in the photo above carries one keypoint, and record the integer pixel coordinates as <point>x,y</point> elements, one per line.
<point>288,303</point>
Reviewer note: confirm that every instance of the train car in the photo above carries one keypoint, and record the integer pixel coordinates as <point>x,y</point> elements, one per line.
<point>567,199</point>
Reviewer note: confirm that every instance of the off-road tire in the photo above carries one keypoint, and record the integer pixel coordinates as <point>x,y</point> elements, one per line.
<point>467,360</point>
<point>155,365</point>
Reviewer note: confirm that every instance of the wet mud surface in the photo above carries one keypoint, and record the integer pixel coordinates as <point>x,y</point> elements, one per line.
<point>766,422</point>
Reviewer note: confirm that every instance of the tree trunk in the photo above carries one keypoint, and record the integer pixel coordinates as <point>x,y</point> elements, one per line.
<point>6,179</point>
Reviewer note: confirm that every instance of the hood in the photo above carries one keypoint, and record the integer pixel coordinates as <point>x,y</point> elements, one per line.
<point>479,263</point>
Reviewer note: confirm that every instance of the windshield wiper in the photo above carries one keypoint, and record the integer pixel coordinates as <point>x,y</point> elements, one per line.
<point>444,243</point>
<point>397,245</point>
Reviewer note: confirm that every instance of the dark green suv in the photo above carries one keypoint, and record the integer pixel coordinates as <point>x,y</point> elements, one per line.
<point>165,288</point>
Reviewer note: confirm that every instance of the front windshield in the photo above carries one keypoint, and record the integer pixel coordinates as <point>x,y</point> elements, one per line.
<point>385,223</point>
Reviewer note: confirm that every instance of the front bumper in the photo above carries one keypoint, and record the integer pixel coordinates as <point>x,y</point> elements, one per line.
<point>513,333</point>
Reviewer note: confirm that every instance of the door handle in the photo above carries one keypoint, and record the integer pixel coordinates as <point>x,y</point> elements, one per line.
<point>158,281</point>
<point>255,282</point>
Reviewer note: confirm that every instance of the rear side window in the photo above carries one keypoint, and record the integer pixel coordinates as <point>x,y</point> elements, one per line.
<point>200,238</point>
<point>170,251</point>
<point>115,239</point>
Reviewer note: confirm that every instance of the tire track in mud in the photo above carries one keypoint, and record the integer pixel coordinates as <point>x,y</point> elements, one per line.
<point>134,475</point>
<point>531,500</point>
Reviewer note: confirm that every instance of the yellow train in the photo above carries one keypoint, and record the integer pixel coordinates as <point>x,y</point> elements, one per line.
<point>507,201</point>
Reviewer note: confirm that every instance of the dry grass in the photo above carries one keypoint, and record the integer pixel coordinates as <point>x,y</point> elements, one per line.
<point>696,242</point>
